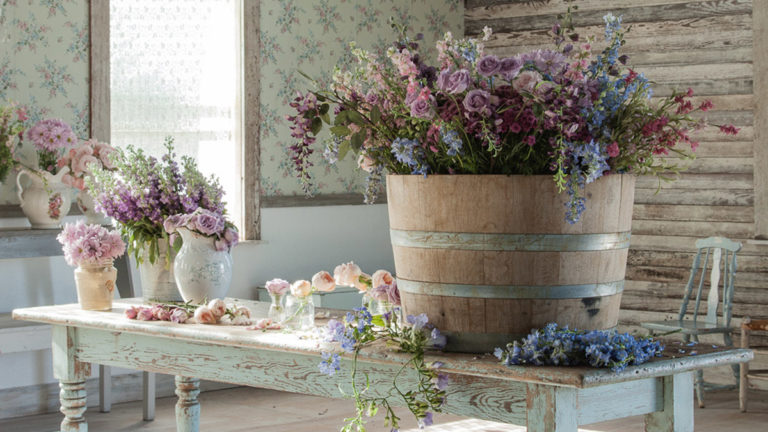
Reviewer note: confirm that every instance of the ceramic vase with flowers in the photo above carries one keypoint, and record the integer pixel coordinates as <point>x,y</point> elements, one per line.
<point>81,160</point>
<point>491,155</point>
<point>92,249</point>
<point>45,200</point>
<point>203,266</point>
<point>140,194</point>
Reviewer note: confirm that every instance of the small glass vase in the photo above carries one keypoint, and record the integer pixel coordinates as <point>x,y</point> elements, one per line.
<point>276,309</point>
<point>299,313</point>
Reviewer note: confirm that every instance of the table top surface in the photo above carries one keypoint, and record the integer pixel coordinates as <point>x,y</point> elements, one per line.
<point>485,365</point>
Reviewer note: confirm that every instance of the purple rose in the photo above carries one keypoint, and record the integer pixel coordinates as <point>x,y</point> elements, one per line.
<point>442,79</point>
<point>209,223</point>
<point>173,222</point>
<point>526,81</point>
<point>458,81</point>
<point>488,65</point>
<point>372,98</point>
<point>510,67</point>
<point>231,236</point>
<point>477,101</point>
<point>394,294</point>
<point>423,108</point>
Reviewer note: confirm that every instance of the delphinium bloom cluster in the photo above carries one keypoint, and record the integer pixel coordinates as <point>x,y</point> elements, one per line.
<point>82,159</point>
<point>360,329</point>
<point>51,138</point>
<point>571,112</point>
<point>90,244</point>
<point>207,223</point>
<point>143,191</point>
<point>564,347</point>
<point>215,312</point>
<point>11,132</point>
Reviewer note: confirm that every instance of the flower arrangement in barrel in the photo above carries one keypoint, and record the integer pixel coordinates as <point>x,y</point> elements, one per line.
<point>571,112</point>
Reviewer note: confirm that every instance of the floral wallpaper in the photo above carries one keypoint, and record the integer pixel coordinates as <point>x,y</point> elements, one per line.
<point>44,64</point>
<point>311,36</point>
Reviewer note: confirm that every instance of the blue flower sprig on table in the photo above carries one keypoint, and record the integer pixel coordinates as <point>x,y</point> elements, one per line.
<point>359,329</point>
<point>563,347</point>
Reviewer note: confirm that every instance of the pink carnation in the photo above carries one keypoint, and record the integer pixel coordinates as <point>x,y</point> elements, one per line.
<point>89,244</point>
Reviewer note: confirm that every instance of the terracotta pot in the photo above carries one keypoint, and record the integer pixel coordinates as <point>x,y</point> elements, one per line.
<point>490,257</point>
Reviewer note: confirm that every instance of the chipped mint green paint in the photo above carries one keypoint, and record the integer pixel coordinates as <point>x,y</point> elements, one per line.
<point>510,242</point>
<point>511,291</point>
<point>541,398</point>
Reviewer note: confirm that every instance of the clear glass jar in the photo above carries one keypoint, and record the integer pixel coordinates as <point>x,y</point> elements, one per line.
<point>276,309</point>
<point>299,313</point>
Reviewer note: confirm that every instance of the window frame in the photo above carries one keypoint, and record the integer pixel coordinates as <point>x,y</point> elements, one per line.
<point>248,156</point>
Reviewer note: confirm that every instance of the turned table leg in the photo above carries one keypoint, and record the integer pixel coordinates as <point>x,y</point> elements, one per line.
<point>187,407</point>
<point>71,374</point>
<point>677,412</point>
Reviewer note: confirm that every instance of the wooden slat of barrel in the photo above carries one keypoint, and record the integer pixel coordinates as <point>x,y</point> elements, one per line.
<point>514,212</point>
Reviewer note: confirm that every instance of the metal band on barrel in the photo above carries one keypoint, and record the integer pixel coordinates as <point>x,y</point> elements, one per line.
<point>510,242</point>
<point>511,292</point>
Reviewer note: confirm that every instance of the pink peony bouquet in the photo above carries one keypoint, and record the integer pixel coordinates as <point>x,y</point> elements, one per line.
<point>82,159</point>
<point>90,244</point>
<point>51,138</point>
<point>207,223</point>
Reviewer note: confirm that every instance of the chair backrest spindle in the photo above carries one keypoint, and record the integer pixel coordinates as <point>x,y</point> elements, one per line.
<point>723,269</point>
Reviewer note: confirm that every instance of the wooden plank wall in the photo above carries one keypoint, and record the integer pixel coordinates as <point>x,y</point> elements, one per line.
<point>706,45</point>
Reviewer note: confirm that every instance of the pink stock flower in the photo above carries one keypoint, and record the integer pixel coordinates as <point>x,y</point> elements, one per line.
<point>89,244</point>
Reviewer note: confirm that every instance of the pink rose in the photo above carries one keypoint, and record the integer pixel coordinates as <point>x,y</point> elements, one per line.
<point>301,288</point>
<point>365,163</point>
<point>526,81</point>
<point>381,277</point>
<point>323,281</point>
<point>132,312</point>
<point>203,315</point>
<point>278,286</point>
<point>217,307</point>
<point>363,282</point>
<point>347,274</point>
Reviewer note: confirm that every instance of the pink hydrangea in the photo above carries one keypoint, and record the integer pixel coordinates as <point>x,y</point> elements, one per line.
<point>51,135</point>
<point>89,244</point>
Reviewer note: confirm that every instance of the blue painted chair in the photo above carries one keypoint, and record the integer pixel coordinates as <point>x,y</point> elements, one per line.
<point>718,254</point>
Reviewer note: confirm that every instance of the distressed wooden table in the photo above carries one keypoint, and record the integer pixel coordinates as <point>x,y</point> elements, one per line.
<point>551,399</point>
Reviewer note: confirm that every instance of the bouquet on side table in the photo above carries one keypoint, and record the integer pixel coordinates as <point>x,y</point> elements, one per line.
<point>92,249</point>
<point>11,133</point>
<point>81,160</point>
<point>46,199</point>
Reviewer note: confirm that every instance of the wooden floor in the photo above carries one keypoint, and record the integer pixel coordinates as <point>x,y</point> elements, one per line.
<point>258,410</point>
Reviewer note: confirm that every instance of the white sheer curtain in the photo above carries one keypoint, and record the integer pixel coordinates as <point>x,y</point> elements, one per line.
<point>175,71</point>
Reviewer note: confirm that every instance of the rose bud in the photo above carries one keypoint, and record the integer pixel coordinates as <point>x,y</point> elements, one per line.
<point>218,307</point>
<point>204,315</point>
<point>323,281</point>
<point>301,288</point>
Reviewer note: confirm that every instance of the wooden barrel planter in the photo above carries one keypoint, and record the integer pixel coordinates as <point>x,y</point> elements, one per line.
<point>490,257</point>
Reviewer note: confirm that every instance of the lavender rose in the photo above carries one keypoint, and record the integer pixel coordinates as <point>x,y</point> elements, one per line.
<point>372,98</point>
<point>209,223</point>
<point>423,108</point>
<point>173,222</point>
<point>458,81</point>
<point>442,79</point>
<point>510,67</point>
<point>488,65</point>
<point>477,101</point>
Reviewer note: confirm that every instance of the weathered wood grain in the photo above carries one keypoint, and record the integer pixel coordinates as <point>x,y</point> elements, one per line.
<point>99,76</point>
<point>251,106</point>
<point>582,18</point>
<point>747,263</point>
<point>700,181</point>
<point>714,165</point>
<point>677,412</point>
<point>480,9</point>
<point>760,88</point>
<point>685,244</point>
<point>724,197</point>
<point>689,228</point>
<point>692,213</point>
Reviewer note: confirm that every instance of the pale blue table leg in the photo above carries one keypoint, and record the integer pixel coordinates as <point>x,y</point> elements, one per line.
<point>71,375</point>
<point>187,407</point>
<point>677,413</point>
<point>552,408</point>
